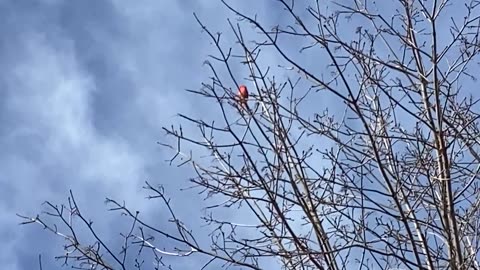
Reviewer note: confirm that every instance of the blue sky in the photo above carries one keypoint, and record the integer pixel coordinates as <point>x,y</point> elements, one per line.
<point>85,89</point>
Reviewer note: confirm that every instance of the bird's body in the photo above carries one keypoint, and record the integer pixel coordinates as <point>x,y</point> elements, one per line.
<point>243,92</point>
<point>242,97</point>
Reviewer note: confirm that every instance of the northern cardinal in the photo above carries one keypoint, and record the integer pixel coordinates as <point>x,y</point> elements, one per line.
<point>242,96</point>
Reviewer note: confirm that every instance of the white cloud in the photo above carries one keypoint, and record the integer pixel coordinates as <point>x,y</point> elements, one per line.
<point>50,95</point>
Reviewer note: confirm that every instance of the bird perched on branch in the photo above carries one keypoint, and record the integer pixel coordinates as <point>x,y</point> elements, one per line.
<point>242,96</point>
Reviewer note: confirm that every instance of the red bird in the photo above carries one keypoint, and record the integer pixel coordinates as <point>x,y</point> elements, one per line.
<point>243,95</point>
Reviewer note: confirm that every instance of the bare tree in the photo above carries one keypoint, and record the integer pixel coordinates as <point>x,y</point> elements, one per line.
<point>365,155</point>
